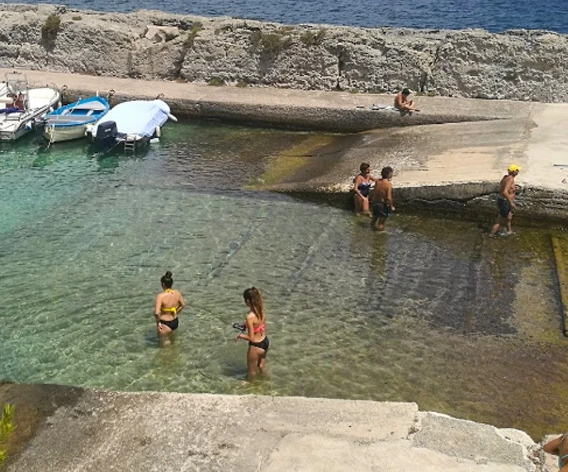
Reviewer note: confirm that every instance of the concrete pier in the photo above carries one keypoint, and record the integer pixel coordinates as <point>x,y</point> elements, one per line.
<point>449,156</point>
<point>65,429</point>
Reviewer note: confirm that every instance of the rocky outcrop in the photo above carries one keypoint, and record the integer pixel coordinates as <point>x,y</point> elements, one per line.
<point>518,65</point>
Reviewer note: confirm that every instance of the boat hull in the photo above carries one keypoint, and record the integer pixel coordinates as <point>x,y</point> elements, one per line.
<point>15,124</point>
<point>130,125</point>
<point>55,134</point>
<point>71,121</point>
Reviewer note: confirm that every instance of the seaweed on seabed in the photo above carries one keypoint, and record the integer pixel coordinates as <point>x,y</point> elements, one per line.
<point>6,427</point>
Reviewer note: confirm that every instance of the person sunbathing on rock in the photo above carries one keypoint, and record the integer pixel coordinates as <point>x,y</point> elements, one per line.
<point>403,103</point>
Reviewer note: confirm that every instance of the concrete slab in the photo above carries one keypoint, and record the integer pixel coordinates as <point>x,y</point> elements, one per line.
<point>477,442</point>
<point>319,110</point>
<point>111,431</point>
<point>547,159</point>
<point>311,453</point>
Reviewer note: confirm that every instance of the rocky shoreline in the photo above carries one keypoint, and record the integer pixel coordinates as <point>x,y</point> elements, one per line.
<point>517,65</point>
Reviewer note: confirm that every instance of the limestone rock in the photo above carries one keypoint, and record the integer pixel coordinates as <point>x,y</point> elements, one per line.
<point>516,65</point>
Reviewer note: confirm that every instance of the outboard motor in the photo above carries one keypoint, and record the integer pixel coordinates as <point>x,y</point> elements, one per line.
<point>106,135</point>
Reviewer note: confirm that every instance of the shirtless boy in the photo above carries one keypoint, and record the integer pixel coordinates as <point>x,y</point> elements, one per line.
<point>403,103</point>
<point>506,201</point>
<point>383,203</point>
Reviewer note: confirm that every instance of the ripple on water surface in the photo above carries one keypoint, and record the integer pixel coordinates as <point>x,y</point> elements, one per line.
<point>431,311</point>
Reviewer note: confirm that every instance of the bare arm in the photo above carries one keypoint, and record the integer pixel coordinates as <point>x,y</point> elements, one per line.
<point>389,197</point>
<point>158,307</point>
<point>509,184</point>
<point>356,183</point>
<point>250,329</point>
<point>181,304</point>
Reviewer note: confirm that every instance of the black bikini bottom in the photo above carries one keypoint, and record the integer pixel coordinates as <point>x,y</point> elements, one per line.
<point>172,324</point>
<point>261,344</point>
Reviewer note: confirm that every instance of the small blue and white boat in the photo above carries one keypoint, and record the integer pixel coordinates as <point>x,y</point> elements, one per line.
<point>71,121</point>
<point>130,124</point>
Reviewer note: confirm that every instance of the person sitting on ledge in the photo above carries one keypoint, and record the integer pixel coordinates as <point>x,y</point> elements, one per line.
<point>559,447</point>
<point>403,103</point>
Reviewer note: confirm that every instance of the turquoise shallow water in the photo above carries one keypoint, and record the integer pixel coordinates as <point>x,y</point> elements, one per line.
<point>431,311</point>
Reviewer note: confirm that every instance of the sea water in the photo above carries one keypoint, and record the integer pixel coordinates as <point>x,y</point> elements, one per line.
<point>431,311</point>
<point>492,15</point>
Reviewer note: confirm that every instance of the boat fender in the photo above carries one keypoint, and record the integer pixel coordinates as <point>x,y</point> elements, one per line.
<point>158,132</point>
<point>154,140</point>
<point>172,117</point>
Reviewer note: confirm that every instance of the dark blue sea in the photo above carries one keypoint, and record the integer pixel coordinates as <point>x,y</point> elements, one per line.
<point>492,15</point>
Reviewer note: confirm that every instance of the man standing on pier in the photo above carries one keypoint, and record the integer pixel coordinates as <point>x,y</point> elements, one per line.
<point>506,201</point>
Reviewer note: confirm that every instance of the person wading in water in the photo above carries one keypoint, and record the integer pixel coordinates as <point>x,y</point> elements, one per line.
<point>255,323</point>
<point>383,203</point>
<point>167,307</point>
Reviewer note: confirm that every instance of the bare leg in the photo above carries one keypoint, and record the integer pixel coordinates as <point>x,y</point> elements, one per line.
<point>374,221</point>
<point>494,229</point>
<point>164,335</point>
<point>509,221</point>
<point>253,360</point>
<point>361,205</point>
<point>500,222</point>
<point>365,207</point>
<point>262,363</point>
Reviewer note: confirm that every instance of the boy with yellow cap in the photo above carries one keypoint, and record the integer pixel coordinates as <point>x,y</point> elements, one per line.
<point>506,201</point>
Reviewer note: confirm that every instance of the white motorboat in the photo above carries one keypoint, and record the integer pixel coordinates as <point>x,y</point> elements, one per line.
<point>21,105</point>
<point>130,124</point>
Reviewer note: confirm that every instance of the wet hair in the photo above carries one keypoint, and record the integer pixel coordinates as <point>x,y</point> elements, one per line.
<point>167,280</point>
<point>364,166</point>
<point>253,297</point>
<point>386,171</point>
<point>405,91</point>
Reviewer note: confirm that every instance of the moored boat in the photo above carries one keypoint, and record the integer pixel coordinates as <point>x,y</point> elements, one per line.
<point>130,124</point>
<point>21,105</point>
<point>71,121</point>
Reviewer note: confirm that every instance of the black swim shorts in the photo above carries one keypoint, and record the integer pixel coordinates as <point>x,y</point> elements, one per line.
<point>381,210</point>
<point>504,207</point>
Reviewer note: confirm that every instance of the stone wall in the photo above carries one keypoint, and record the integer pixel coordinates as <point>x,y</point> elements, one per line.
<point>517,65</point>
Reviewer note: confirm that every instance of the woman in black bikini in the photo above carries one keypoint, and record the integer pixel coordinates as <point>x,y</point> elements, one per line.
<point>361,189</point>
<point>168,306</point>
<point>255,323</point>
